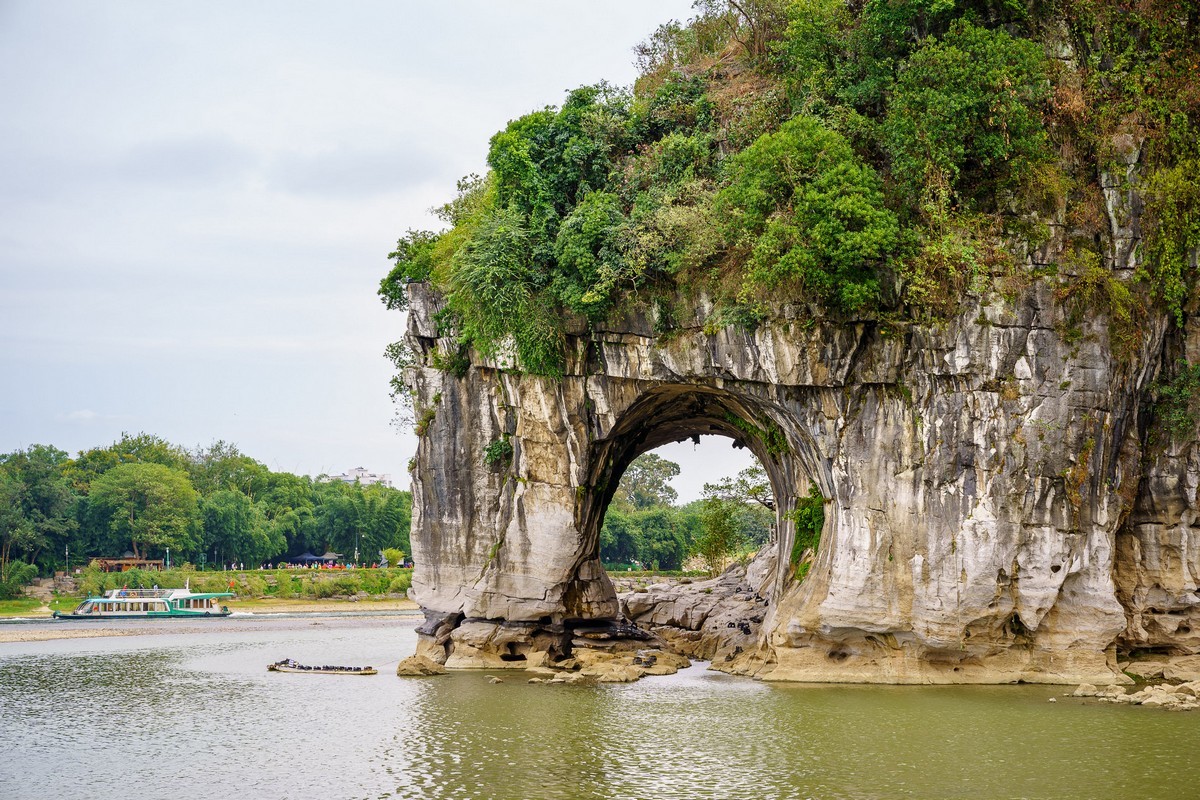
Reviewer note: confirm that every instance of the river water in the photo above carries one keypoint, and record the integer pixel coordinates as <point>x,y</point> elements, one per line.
<point>193,713</point>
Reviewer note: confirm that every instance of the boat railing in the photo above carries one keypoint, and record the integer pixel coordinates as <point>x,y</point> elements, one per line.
<point>119,593</point>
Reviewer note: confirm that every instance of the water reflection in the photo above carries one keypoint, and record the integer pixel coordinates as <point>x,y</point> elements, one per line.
<point>162,715</point>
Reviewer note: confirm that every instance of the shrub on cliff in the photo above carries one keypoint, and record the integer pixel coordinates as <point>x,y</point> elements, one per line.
<point>1173,206</point>
<point>965,112</point>
<point>866,159</point>
<point>809,518</point>
<point>804,214</point>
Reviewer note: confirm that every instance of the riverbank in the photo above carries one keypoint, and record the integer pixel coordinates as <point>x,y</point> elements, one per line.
<point>37,609</point>
<point>271,605</point>
<point>15,612</point>
<point>28,633</point>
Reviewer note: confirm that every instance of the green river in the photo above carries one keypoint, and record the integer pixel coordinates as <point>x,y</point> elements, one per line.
<point>189,710</point>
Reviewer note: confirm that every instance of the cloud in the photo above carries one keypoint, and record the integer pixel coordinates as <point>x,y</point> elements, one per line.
<point>186,162</point>
<point>178,164</point>
<point>85,416</point>
<point>354,173</point>
<point>198,199</point>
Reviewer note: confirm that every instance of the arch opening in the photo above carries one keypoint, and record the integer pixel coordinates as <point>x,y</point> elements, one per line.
<point>656,519</point>
<point>678,413</point>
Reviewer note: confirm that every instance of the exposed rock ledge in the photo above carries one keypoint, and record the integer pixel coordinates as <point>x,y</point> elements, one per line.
<point>718,620</point>
<point>1171,697</point>
<point>721,619</point>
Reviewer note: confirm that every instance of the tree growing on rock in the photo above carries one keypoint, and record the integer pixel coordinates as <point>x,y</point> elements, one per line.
<point>722,538</point>
<point>750,485</point>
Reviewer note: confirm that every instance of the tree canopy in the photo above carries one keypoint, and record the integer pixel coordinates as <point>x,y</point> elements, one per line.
<point>645,528</point>
<point>212,503</point>
<point>647,483</point>
<point>869,160</point>
<point>146,505</point>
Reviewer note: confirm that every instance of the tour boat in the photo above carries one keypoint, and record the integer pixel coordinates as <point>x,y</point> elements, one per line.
<point>150,604</point>
<point>288,665</point>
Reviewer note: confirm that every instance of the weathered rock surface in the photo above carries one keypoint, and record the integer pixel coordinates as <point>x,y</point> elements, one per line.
<point>611,665</point>
<point>419,665</point>
<point>1183,669</point>
<point>999,505</point>
<point>1181,697</point>
<point>1147,669</point>
<point>712,620</point>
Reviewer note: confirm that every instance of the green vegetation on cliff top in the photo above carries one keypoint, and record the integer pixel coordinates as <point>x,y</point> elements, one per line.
<point>866,159</point>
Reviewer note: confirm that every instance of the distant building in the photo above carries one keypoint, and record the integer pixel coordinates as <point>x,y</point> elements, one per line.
<point>364,477</point>
<point>127,563</point>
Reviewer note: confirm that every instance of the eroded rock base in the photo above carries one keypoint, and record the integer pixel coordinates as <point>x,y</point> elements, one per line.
<point>668,621</point>
<point>590,665</point>
<point>836,663</point>
<point>605,651</point>
<point>721,619</point>
<point>715,620</point>
<point>419,666</point>
<point>1175,686</point>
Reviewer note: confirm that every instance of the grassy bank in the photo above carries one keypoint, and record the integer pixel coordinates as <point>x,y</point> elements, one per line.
<point>33,607</point>
<point>276,590</point>
<point>318,584</point>
<point>657,573</point>
<point>274,605</point>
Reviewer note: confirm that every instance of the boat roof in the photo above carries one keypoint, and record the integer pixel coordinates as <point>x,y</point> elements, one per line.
<point>160,594</point>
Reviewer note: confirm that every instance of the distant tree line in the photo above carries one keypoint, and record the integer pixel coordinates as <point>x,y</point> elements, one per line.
<point>644,529</point>
<point>210,504</point>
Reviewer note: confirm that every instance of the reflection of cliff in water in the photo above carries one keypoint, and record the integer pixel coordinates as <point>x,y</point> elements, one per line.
<point>155,716</point>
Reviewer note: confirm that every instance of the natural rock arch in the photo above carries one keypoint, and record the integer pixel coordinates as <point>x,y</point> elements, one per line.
<point>978,475</point>
<point>677,412</point>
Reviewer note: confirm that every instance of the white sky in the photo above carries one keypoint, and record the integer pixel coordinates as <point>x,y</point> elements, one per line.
<point>197,200</point>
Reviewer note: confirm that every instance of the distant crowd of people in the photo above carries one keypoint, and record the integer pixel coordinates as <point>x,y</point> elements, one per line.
<point>235,566</point>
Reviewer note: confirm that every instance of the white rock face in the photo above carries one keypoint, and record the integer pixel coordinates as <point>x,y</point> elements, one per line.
<point>994,512</point>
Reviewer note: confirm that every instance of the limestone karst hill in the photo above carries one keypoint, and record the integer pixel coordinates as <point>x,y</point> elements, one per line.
<point>937,260</point>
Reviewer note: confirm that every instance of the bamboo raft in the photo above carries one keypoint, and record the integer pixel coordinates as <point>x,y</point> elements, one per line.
<point>287,665</point>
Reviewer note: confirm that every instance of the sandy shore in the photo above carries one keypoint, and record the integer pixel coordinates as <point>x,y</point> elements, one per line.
<point>29,633</point>
<point>44,629</point>
<point>272,606</point>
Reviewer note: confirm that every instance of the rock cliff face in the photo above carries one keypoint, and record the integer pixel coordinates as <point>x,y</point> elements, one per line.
<point>999,504</point>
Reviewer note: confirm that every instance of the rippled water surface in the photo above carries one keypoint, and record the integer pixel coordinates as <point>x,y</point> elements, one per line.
<point>195,714</point>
